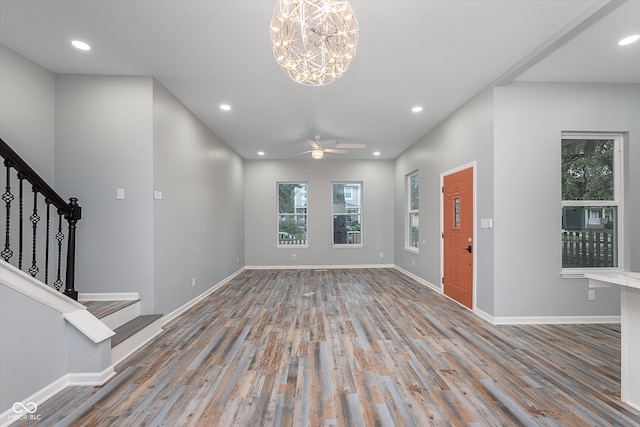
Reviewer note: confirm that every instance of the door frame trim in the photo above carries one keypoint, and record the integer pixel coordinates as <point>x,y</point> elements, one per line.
<point>470,165</point>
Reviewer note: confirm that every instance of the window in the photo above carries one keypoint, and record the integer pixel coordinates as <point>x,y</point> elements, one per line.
<point>292,214</point>
<point>412,239</point>
<point>591,201</point>
<point>347,213</point>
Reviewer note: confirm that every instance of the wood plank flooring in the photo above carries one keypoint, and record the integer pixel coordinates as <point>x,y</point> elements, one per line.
<point>353,347</point>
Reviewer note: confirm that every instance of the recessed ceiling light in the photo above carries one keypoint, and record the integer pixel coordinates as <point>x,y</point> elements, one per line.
<point>628,40</point>
<point>376,153</point>
<point>260,153</point>
<point>80,45</point>
<point>225,107</point>
<point>416,109</point>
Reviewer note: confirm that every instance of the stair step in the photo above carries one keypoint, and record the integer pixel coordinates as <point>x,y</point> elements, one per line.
<point>133,326</point>
<point>102,309</point>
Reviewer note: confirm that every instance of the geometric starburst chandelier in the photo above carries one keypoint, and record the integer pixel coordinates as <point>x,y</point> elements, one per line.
<point>314,41</point>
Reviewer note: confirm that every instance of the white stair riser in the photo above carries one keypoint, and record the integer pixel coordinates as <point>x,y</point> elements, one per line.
<point>135,341</point>
<point>122,316</point>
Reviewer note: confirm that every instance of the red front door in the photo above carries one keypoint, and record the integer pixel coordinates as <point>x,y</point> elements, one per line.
<point>458,236</point>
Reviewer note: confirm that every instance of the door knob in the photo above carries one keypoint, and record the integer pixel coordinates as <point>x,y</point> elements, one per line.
<point>468,249</point>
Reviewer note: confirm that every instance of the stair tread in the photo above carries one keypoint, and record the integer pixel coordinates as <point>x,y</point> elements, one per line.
<point>102,309</point>
<point>131,327</point>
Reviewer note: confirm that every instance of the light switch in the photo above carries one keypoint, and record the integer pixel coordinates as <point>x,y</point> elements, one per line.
<point>486,223</point>
<point>157,195</point>
<point>120,194</point>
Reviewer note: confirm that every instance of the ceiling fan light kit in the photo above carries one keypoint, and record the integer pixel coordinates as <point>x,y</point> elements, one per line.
<point>317,151</point>
<point>314,41</point>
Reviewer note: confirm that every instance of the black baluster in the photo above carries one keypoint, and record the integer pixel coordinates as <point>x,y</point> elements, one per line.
<point>59,237</point>
<point>72,218</point>
<point>7,197</point>
<point>20,180</point>
<point>46,248</point>
<point>34,218</point>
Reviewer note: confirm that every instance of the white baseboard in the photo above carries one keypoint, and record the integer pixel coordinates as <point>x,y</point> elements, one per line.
<point>90,378</point>
<point>115,296</point>
<point>315,267</point>
<point>419,279</point>
<point>547,320</point>
<point>484,315</point>
<point>75,379</point>
<point>178,311</point>
<point>633,405</point>
<point>521,320</point>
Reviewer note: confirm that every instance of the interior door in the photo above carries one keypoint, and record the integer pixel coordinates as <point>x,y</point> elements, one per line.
<point>458,236</point>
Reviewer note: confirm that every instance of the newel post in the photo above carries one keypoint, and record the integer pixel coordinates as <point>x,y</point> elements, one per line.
<point>74,215</point>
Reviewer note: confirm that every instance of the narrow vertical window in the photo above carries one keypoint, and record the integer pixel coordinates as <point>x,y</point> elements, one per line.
<point>292,214</point>
<point>412,239</point>
<point>591,200</point>
<point>347,214</point>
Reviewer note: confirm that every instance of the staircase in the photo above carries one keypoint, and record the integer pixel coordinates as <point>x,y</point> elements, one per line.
<point>132,330</point>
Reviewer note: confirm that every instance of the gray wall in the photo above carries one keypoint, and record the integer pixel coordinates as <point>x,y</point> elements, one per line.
<point>529,121</point>
<point>466,136</point>
<point>26,124</point>
<point>104,141</point>
<point>199,223</point>
<point>27,111</point>
<point>260,194</point>
<point>26,328</point>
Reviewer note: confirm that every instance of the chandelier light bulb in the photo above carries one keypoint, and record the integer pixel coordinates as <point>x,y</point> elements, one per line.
<point>314,41</point>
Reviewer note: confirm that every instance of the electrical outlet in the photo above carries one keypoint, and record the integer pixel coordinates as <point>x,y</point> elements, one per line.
<point>193,282</point>
<point>381,254</point>
<point>592,294</point>
<point>293,256</point>
<point>413,262</point>
<point>238,260</point>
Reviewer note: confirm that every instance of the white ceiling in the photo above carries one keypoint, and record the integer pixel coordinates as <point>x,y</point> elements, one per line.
<point>434,53</point>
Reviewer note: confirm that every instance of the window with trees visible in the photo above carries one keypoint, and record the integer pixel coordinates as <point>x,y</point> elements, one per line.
<point>292,214</point>
<point>591,200</point>
<point>412,235</point>
<point>347,213</point>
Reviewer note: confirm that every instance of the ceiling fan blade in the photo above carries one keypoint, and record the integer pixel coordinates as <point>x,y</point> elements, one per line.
<point>332,150</point>
<point>350,145</point>
<point>313,144</point>
<point>304,152</point>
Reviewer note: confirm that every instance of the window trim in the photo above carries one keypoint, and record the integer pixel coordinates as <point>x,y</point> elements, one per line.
<point>409,211</point>
<point>278,214</point>
<point>361,214</point>
<point>618,200</point>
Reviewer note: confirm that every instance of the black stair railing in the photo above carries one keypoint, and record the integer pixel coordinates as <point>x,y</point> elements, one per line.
<point>42,192</point>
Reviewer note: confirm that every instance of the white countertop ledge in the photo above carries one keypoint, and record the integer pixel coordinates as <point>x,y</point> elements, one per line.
<point>627,278</point>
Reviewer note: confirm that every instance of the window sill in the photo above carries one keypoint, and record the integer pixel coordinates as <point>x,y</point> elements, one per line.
<point>412,249</point>
<point>292,246</point>
<point>348,246</point>
<point>578,273</point>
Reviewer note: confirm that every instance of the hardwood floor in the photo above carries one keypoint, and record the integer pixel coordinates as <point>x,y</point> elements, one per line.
<point>353,348</point>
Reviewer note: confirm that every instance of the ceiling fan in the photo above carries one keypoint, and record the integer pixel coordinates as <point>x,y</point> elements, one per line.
<point>317,151</point>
